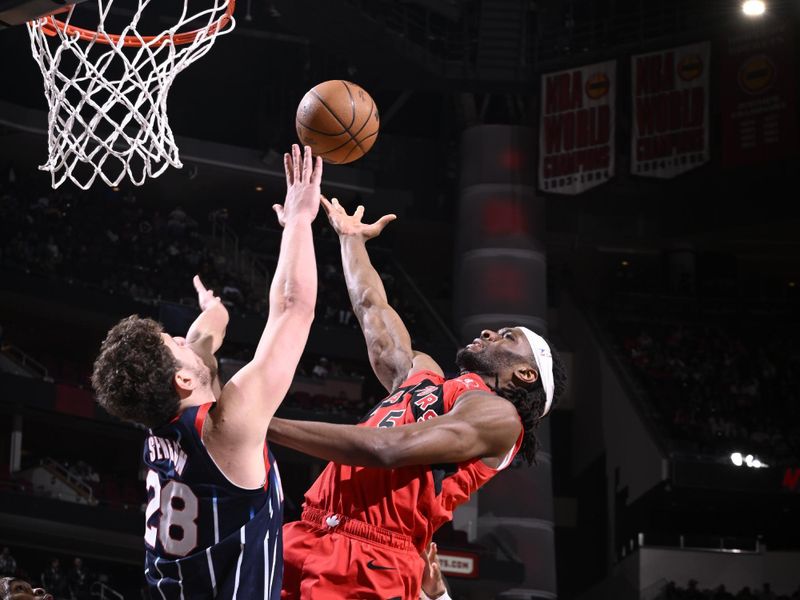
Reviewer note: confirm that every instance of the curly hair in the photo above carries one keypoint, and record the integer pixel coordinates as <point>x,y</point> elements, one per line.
<point>133,374</point>
<point>7,588</point>
<point>530,403</point>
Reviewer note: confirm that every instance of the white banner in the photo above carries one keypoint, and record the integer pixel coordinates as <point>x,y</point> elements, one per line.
<point>458,564</point>
<point>670,111</point>
<point>576,128</point>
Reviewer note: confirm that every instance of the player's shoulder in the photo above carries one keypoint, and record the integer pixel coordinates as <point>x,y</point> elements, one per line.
<point>416,377</point>
<point>186,426</point>
<point>484,404</point>
<point>469,382</point>
<point>186,416</point>
<point>456,388</point>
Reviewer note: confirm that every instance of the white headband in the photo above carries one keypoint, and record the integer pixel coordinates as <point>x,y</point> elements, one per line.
<point>544,361</point>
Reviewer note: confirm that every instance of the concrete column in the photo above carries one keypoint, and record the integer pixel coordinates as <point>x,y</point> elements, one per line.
<point>501,281</point>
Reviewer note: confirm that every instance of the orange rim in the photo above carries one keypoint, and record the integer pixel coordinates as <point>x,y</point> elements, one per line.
<point>51,26</point>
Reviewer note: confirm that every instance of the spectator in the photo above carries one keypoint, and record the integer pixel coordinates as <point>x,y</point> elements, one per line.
<point>78,580</point>
<point>720,389</point>
<point>320,370</point>
<point>85,472</point>
<point>53,580</point>
<point>745,593</point>
<point>766,592</point>
<point>673,592</point>
<point>8,566</point>
<point>693,593</point>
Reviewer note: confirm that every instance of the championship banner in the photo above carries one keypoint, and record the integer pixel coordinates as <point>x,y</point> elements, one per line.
<point>670,111</point>
<point>576,128</point>
<point>758,95</point>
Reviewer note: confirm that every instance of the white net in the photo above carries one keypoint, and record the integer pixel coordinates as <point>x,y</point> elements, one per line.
<point>107,92</point>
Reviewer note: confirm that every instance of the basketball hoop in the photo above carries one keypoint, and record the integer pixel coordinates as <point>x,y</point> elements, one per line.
<point>107,92</point>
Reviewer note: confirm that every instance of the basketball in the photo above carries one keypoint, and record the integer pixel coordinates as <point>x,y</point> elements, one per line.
<point>338,120</point>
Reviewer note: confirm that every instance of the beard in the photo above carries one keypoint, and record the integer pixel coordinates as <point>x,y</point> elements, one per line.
<point>485,362</point>
<point>203,375</point>
<point>201,372</point>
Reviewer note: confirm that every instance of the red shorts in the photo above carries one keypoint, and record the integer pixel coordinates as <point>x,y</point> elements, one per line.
<point>331,557</point>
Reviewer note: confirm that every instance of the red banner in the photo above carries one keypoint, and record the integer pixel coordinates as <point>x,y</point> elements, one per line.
<point>670,111</point>
<point>758,95</point>
<point>576,128</point>
<point>74,401</point>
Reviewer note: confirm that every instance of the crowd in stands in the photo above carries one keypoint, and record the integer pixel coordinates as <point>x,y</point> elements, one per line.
<point>110,241</point>
<point>8,564</point>
<point>116,242</point>
<point>128,246</point>
<point>72,583</point>
<point>720,388</point>
<point>347,408</point>
<point>672,591</point>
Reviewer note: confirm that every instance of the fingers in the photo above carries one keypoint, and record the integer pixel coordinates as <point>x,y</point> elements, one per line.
<point>383,222</point>
<point>287,167</point>
<point>316,178</point>
<point>430,553</point>
<point>296,162</point>
<point>307,164</point>
<point>359,212</point>
<point>326,204</point>
<point>278,211</point>
<point>302,166</point>
<point>202,293</point>
<point>337,208</point>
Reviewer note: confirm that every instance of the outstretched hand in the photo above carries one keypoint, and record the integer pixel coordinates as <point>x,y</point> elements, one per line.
<point>205,298</point>
<point>351,225</point>
<point>303,177</point>
<point>432,579</point>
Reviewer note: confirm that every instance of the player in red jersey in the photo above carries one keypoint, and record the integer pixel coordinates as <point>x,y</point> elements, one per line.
<point>396,477</point>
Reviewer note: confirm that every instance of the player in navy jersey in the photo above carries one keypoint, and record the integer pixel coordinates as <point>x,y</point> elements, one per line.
<point>214,499</point>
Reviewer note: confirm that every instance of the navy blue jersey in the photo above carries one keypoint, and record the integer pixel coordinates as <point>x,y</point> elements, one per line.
<point>204,536</point>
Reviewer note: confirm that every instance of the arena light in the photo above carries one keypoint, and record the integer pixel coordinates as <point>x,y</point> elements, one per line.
<point>738,459</point>
<point>754,8</point>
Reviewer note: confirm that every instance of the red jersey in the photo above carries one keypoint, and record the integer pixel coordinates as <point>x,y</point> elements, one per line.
<point>414,500</point>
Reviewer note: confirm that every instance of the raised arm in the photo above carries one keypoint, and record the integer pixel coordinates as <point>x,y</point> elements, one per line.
<point>455,437</point>
<point>237,429</point>
<point>388,341</point>
<point>206,334</point>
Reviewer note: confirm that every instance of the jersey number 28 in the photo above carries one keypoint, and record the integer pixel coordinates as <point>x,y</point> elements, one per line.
<point>176,526</point>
